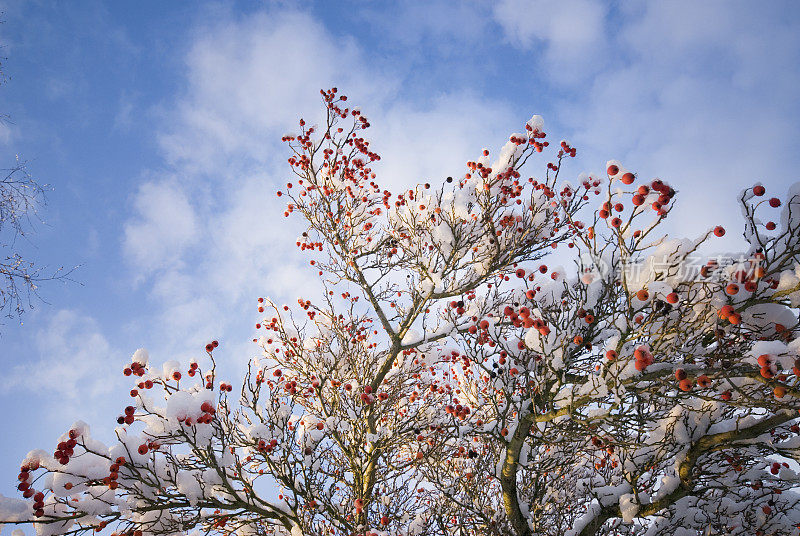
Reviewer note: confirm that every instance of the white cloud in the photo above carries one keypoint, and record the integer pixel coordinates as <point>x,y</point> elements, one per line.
<point>572,33</point>
<point>73,359</point>
<point>211,233</point>
<point>420,144</point>
<point>569,26</point>
<point>440,24</point>
<point>5,133</point>
<point>249,78</point>
<point>164,226</point>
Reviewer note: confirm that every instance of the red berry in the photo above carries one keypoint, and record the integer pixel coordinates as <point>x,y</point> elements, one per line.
<point>612,170</point>
<point>774,202</point>
<point>719,231</point>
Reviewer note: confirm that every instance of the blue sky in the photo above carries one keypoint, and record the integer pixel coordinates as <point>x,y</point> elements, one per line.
<point>158,125</point>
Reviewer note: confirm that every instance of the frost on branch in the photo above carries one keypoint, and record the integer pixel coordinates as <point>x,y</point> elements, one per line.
<point>452,379</point>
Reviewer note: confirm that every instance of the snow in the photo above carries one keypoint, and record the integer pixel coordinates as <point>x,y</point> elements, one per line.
<point>536,123</point>
<point>140,356</point>
<point>628,507</point>
<point>580,523</point>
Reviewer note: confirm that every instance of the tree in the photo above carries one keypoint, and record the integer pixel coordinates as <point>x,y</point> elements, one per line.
<point>450,381</point>
<point>20,197</point>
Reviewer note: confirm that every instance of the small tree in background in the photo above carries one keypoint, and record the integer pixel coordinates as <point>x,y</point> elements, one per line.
<point>449,380</point>
<point>20,197</point>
